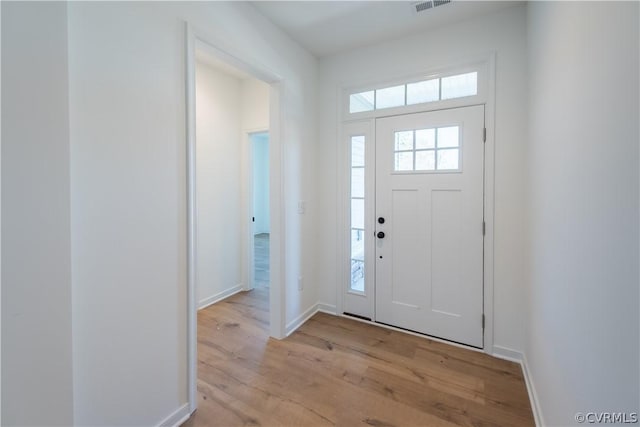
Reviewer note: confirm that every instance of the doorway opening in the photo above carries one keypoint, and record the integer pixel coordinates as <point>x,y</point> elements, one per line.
<point>260,221</point>
<point>424,148</point>
<point>228,100</point>
<point>415,222</point>
<point>231,180</point>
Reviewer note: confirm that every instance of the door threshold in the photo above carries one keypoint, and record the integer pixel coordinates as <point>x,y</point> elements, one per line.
<point>357,316</point>
<point>410,332</point>
<point>431,337</point>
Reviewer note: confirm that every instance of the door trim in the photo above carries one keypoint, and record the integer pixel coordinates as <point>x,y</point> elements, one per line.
<point>193,37</point>
<point>487,98</point>
<point>489,202</point>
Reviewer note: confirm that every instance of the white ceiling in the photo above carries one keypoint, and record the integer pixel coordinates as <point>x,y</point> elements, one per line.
<point>329,27</point>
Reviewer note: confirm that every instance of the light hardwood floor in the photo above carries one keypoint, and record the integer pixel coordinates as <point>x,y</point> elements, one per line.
<point>338,371</point>
<point>261,259</point>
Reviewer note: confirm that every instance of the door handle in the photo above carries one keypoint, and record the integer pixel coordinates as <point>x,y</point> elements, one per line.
<point>380,234</point>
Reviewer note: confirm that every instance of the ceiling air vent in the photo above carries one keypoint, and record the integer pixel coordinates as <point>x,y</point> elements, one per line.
<point>421,6</point>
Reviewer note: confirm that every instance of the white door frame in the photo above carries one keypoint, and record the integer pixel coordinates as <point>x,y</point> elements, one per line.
<point>201,38</point>
<point>486,63</point>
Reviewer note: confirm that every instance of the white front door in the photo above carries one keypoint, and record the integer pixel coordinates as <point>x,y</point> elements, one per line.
<point>429,223</point>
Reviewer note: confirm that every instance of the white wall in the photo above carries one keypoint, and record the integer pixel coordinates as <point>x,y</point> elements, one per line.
<point>503,32</point>
<point>261,183</point>
<point>128,157</point>
<point>218,184</point>
<point>582,269</point>
<point>255,118</point>
<point>255,105</point>
<point>36,253</point>
<point>228,107</point>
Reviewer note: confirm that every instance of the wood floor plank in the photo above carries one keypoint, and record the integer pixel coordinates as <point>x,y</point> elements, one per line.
<point>338,371</point>
<point>400,364</point>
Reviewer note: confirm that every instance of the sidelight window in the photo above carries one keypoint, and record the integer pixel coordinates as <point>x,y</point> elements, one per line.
<point>357,212</point>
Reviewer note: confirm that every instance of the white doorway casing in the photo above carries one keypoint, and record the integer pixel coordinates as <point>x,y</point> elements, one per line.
<point>198,38</point>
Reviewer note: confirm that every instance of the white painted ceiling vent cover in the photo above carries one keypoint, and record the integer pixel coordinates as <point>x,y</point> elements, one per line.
<point>421,6</point>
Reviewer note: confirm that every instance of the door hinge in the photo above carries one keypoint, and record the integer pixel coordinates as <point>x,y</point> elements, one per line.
<point>484,135</point>
<point>484,228</point>
<point>483,321</point>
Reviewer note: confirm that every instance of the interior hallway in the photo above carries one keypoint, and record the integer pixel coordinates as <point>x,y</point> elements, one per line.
<point>97,138</point>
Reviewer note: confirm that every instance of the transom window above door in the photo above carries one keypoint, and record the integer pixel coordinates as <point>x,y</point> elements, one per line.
<point>430,90</point>
<point>431,149</point>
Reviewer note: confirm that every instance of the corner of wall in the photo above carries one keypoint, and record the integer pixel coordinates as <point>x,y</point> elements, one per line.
<point>531,390</point>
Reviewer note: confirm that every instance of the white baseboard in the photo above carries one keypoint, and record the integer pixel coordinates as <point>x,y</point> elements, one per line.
<point>520,358</point>
<point>327,308</point>
<point>206,302</point>
<point>506,354</point>
<point>300,320</point>
<point>533,396</point>
<point>178,417</point>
